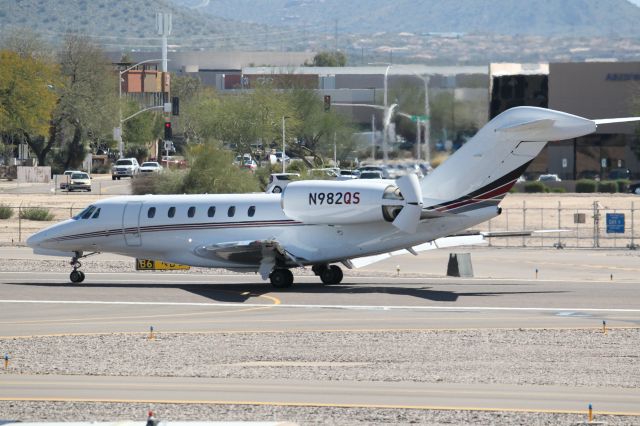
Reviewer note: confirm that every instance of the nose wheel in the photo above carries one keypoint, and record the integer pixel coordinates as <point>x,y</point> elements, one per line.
<point>76,276</point>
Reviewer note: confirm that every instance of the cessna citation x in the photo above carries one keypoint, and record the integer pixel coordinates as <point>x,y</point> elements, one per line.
<point>320,223</point>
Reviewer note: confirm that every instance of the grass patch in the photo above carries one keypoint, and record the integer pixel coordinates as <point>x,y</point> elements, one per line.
<point>5,212</point>
<point>36,213</point>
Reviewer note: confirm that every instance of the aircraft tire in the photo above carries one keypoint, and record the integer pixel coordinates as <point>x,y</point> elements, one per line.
<point>76,276</point>
<point>281,278</point>
<point>332,275</point>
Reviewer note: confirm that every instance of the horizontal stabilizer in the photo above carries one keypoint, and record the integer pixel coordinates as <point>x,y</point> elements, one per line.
<point>616,120</point>
<point>431,245</point>
<point>543,123</point>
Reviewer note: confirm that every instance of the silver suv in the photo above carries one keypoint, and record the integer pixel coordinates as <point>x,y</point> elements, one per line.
<point>125,167</point>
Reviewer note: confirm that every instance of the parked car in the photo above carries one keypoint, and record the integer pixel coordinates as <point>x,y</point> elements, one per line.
<point>150,167</point>
<point>371,174</point>
<point>250,164</point>
<point>66,176</point>
<point>549,178</point>
<point>619,173</point>
<point>278,181</point>
<point>173,162</point>
<point>279,157</point>
<point>125,167</point>
<point>383,170</point>
<point>79,181</point>
<point>348,175</point>
<point>634,188</point>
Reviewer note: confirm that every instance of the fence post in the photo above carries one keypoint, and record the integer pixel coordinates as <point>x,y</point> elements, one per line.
<point>632,245</point>
<point>596,222</point>
<point>524,220</point>
<point>20,222</point>
<point>560,224</point>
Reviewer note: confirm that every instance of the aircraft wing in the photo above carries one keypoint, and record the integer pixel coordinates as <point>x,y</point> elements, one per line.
<point>262,253</point>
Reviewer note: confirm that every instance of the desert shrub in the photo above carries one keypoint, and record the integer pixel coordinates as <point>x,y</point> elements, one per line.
<point>609,186</point>
<point>586,186</point>
<point>623,185</point>
<point>167,182</point>
<point>558,190</point>
<point>5,212</point>
<point>36,213</point>
<point>531,187</point>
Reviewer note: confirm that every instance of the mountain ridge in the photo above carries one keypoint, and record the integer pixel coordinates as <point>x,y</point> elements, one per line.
<point>595,18</point>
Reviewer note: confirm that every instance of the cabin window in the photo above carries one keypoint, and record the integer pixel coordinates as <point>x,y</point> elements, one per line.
<point>96,214</point>
<point>88,212</point>
<point>212,211</point>
<point>151,212</point>
<point>171,212</point>
<point>191,212</point>
<point>232,211</point>
<point>252,211</point>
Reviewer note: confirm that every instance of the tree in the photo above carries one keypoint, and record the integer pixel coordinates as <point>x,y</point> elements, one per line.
<point>27,100</point>
<point>212,171</point>
<point>329,59</point>
<point>87,109</point>
<point>316,128</point>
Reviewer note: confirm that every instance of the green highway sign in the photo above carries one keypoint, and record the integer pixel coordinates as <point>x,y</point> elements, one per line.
<point>415,118</point>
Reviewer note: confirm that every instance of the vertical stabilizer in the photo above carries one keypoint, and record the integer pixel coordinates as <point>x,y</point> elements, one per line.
<point>488,165</point>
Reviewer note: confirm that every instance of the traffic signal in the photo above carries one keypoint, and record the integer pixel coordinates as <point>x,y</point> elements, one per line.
<point>167,131</point>
<point>175,106</point>
<point>327,102</point>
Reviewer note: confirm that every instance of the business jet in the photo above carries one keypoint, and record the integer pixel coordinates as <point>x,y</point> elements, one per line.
<point>320,223</point>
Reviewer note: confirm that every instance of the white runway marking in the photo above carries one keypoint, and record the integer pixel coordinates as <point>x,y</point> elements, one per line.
<point>573,310</point>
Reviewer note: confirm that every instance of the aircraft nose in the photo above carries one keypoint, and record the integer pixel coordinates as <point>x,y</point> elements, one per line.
<point>34,240</point>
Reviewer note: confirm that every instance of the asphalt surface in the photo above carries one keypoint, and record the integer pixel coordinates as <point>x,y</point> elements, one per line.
<point>506,294</point>
<point>409,395</point>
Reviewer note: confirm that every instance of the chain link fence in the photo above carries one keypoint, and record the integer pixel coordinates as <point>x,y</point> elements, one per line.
<point>15,229</point>
<point>591,226</point>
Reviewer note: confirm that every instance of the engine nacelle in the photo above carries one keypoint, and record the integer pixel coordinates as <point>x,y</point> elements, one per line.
<point>341,202</point>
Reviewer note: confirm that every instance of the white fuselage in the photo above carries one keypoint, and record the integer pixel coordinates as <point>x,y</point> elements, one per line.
<point>124,226</point>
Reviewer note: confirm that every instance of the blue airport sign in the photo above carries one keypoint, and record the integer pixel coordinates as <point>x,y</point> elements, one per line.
<point>615,223</point>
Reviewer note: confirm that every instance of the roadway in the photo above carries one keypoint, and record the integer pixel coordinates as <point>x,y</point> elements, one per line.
<point>504,296</point>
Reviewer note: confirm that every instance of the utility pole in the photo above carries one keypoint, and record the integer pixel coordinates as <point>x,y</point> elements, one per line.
<point>163,26</point>
<point>373,136</point>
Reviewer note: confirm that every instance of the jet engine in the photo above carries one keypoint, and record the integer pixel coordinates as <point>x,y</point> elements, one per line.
<point>357,201</point>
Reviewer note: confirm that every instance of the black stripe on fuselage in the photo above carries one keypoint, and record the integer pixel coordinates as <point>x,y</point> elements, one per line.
<point>502,181</point>
<point>177,227</point>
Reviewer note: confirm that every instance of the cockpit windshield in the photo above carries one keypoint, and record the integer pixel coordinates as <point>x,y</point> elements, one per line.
<point>86,213</point>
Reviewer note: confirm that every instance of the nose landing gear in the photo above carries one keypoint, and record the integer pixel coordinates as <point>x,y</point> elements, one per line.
<point>77,276</point>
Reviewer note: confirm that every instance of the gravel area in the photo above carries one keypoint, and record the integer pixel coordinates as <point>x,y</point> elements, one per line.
<point>60,411</point>
<point>519,357</point>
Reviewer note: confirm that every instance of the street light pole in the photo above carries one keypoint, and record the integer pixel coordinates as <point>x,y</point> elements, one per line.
<point>284,117</point>
<point>385,130</point>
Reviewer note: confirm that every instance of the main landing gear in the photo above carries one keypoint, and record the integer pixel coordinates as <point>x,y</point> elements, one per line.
<point>281,278</point>
<point>329,274</point>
